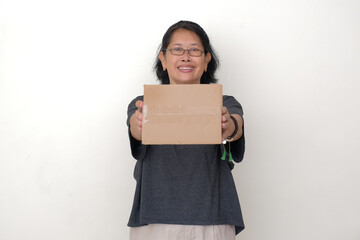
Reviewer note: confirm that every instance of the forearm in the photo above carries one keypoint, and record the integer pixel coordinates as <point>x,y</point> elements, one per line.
<point>135,129</point>
<point>239,121</point>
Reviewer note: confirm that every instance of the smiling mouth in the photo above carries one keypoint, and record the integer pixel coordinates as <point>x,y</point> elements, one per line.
<point>186,69</point>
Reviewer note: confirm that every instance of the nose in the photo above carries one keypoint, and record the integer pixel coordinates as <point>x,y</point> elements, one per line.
<point>186,57</point>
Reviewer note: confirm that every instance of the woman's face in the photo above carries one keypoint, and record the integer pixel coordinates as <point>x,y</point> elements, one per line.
<point>184,69</point>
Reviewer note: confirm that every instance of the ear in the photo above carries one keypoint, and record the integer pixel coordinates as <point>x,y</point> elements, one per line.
<point>207,58</point>
<point>162,59</point>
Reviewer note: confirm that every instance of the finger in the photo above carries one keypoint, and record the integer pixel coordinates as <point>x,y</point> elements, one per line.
<point>223,117</point>
<point>139,104</point>
<point>139,122</point>
<point>140,115</point>
<point>223,126</point>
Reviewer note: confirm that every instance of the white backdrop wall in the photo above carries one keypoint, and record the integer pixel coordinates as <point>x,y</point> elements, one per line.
<point>69,69</point>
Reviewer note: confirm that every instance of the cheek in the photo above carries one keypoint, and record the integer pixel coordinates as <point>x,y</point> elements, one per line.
<point>202,64</point>
<point>168,63</point>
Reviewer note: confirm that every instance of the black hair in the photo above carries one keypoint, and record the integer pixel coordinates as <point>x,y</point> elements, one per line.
<point>209,75</point>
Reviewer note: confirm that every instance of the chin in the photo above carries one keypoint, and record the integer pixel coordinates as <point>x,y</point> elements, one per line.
<point>187,81</point>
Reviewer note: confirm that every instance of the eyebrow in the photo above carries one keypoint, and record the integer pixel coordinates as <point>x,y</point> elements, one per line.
<point>179,44</point>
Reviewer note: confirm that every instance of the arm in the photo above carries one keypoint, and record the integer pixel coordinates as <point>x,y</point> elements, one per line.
<point>136,121</point>
<point>228,125</point>
<point>238,143</point>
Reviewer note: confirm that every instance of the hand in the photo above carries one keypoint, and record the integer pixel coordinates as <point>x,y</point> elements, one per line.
<point>227,124</point>
<point>136,121</point>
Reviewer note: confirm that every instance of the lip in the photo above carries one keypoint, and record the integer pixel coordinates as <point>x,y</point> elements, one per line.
<point>186,68</point>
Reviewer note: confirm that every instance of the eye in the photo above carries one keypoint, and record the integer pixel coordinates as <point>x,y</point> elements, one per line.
<point>177,49</point>
<point>194,50</point>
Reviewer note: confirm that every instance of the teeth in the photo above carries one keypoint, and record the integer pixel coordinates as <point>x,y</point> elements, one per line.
<point>185,68</point>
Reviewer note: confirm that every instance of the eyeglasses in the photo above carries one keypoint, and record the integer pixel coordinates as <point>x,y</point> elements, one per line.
<point>194,52</point>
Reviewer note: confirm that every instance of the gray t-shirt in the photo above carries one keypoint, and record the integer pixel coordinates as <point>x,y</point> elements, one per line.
<point>186,184</point>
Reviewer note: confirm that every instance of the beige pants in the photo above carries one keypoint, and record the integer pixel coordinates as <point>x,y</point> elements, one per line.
<point>182,232</point>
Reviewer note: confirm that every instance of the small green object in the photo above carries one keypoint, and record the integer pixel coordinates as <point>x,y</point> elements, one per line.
<point>230,155</point>
<point>225,153</point>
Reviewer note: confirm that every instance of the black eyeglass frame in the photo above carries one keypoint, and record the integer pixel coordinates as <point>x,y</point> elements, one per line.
<point>186,50</point>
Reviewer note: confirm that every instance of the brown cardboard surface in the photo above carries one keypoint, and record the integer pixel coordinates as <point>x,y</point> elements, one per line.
<point>182,114</point>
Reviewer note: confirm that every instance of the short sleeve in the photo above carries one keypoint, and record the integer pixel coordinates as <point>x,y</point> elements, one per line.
<point>138,150</point>
<point>237,147</point>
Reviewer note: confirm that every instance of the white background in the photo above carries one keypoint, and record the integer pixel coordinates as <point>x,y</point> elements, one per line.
<point>69,69</point>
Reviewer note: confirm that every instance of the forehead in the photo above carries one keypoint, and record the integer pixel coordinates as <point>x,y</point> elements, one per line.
<point>183,36</point>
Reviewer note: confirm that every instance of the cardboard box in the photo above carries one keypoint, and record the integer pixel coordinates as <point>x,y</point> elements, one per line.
<point>182,114</point>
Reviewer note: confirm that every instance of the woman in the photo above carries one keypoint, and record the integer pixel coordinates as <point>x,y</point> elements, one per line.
<point>186,191</point>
